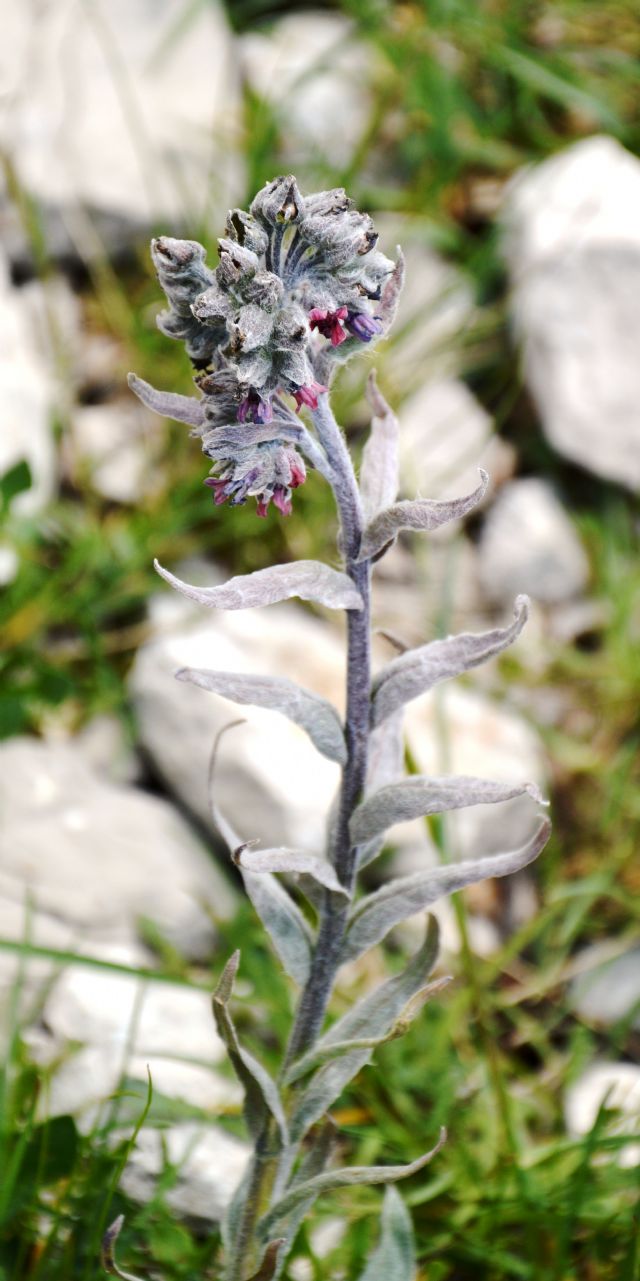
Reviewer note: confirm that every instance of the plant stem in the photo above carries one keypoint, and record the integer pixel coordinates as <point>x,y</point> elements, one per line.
<point>334,914</point>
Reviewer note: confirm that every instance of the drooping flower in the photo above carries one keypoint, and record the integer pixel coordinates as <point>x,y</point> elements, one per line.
<point>309,395</point>
<point>267,472</point>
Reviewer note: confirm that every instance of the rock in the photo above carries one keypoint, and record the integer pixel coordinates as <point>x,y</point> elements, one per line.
<point>271,782</point>
<point>314,73</point>
<point>413,589</point>
<point>27,396</point>
<point>445,437</point>
<point>607,989</point>
<point>97,856</point>
<point>147,134</point>
<point>528,544</point>
<point>106,749</point>
<point>458,731</point>
<point>617,1087</point>
<point>209,1164</point>
<point>573,248</point>
<point>436,308</point>
<point>128,1026</point>
<point>120,444</point>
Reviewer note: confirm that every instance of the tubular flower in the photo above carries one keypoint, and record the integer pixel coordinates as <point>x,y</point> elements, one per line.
<point>296,276</point>
<point>268,472</point>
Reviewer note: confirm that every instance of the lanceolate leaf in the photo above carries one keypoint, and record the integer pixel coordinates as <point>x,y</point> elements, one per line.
<point>321,1054</point>
<point>379,912</point>
<point>284,922</point>
<point>184,409</point>
<point>260,1092</point>
<point>417,513</point>
<point>308,579</point>
<point>281,917</point>
<point>421,795</point>
<point>373,1016</point>
<point>391,293</point>
<point>417,671</point>
<point>394,1257</point>
<point>312,1163</point>
<point>297,862</point>
<point>268,1268</point>
<point>314,714</point>
<point>380,457</point>
<point>356,1174</point>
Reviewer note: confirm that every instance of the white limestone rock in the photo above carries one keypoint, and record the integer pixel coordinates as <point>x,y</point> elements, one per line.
<point>315,74</point>
<point>572,244</point>
<point>27,394</point>
<point>607,988</point>
<point>120,109</point>
<point>456,730</point>
<point>445,437</point>
<point>617,1087</point>
<point>128,1026</point>
<point>209,1162</point>
<point>118,446</point>
<point>272,784</point>
<point>97,856</point>
<point>528,544</point>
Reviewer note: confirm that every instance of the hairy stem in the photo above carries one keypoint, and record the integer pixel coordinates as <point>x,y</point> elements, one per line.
<point>333,920</point>
<point>334,915</point>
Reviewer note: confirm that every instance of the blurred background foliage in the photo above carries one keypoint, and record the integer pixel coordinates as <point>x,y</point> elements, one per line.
<point>465,95</point>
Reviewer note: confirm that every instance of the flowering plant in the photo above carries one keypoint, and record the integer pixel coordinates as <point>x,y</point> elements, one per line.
<point>299,288</point>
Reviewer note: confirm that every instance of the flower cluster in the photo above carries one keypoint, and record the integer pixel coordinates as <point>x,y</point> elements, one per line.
<point>296,274</point>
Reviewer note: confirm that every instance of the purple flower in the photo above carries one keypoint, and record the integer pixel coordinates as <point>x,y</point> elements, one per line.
<point>308,395</point>
<point>328,323</point>
<point>268,473</point>
<point>255,409</point>
<point>363,326</point>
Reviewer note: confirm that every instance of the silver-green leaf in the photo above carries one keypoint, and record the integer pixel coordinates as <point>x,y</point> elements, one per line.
<point>356,1174</point>
<point>260,1091</point>
<point>378,913</point>
<point>308,579</point>
<point>421,795</point>
<point>394,1256</point>
<point>184,409</point>
<point>314,714</point>
<point>418,670</point>
<point>372,1017</point>
<point>386,765</point>
<point>296,862</point>
<point>419,514</point>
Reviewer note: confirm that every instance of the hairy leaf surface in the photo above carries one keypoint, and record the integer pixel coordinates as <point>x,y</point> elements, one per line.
<point>373,1016</point>
<point>355,1174</point>
<point>417,671</point>
<point>260,1091</point>
<point>394,1256</point>
<point>314,714</point>
<point>297,862</point>
<point>422,794</point>
<point>184,409</point>
<point>379,912</point>
<point>308,579</point>
<point>417,513</point>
